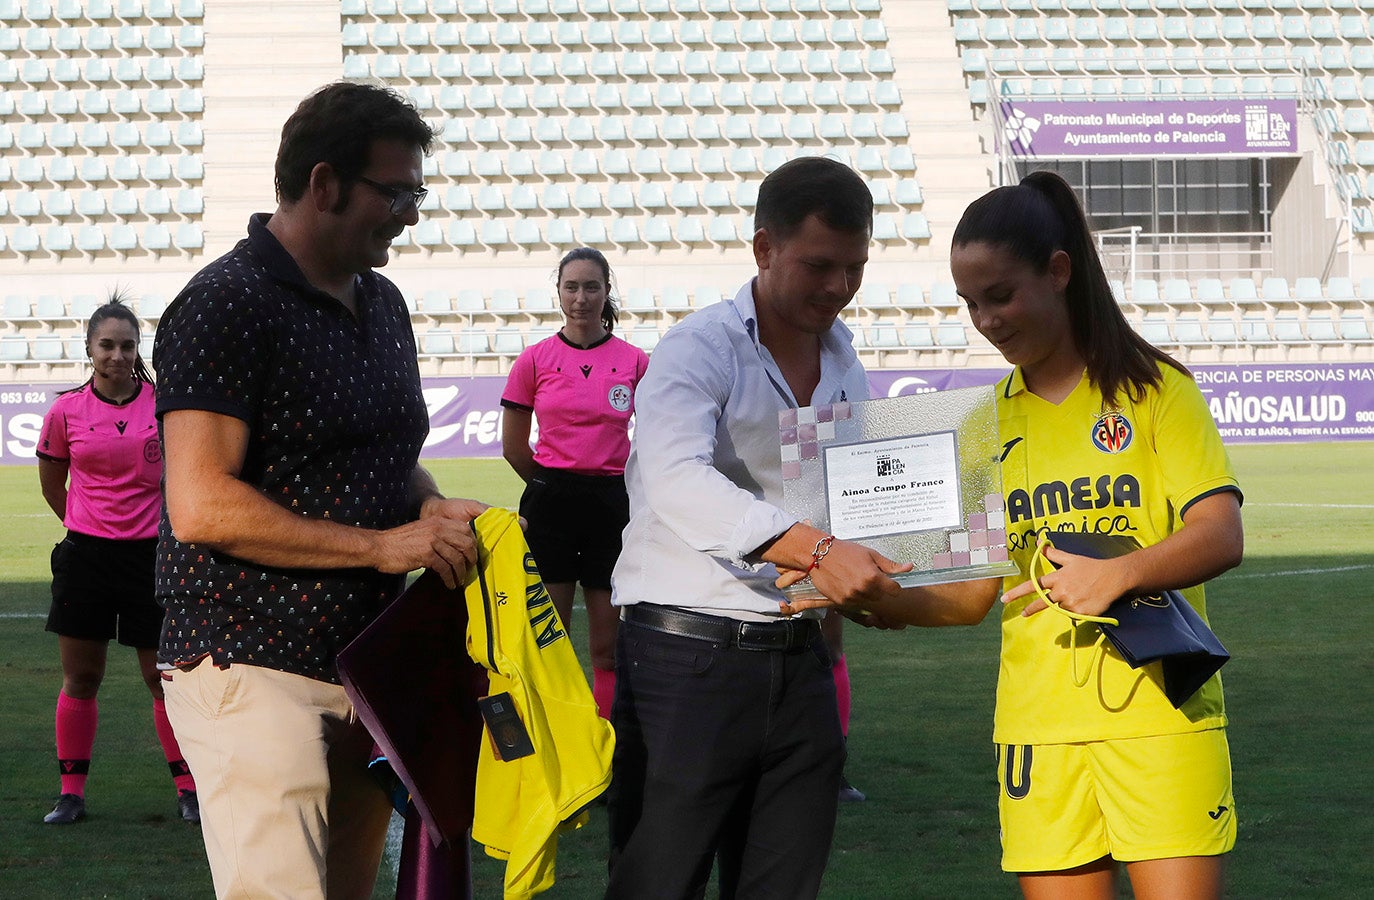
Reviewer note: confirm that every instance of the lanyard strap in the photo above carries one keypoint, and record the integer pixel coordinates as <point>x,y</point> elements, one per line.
<point>1038,561</point>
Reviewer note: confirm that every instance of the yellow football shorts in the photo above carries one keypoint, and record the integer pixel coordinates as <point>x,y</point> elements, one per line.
<point>1065,805</point>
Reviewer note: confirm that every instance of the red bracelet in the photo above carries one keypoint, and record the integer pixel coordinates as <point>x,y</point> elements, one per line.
<point>819,553</point>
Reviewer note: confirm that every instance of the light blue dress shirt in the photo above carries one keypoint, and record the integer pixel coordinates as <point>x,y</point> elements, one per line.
<point>705,471</point>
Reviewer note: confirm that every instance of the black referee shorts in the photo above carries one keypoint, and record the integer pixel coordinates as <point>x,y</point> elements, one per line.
<point>102,589</point>
<point>575,522</point>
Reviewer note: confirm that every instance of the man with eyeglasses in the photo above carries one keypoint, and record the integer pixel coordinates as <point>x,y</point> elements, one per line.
<point>292,419</point>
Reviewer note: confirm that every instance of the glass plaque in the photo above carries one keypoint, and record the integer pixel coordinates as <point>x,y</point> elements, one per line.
<point>916,478</point>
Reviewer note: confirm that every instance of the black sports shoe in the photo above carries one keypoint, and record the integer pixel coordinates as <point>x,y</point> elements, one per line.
<point>849,793</point>
<point>189,807</point>
<point>70,809</point>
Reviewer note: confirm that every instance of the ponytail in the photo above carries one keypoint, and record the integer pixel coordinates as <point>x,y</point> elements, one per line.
<point>1033,220</point>
<point>116,308</point>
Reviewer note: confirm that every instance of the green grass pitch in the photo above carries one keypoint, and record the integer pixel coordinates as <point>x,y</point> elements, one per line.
<point>1297,616</point>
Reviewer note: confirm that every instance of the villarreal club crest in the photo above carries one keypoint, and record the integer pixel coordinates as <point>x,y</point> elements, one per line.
<point>1112,432</point>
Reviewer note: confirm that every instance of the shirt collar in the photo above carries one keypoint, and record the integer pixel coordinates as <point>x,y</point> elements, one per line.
<point>279,262</point>
<point>138,389</point>
<point>592,346</point>
<point>839,340</point>
<point>1016,383</point>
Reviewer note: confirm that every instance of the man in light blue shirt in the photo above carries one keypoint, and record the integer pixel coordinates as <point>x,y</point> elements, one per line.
<point>728,736</point>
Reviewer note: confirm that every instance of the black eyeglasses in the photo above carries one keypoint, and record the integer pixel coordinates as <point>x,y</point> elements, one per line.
<point>403,200</point>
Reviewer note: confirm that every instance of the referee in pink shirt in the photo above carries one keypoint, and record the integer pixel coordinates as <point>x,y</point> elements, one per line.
<point>100,468</point>
<point>580,385</point>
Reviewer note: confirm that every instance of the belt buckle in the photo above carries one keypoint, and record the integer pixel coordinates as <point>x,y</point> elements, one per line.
<point>764,636</point>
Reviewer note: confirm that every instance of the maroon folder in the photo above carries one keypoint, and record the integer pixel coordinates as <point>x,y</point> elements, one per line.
<point>415,688</point>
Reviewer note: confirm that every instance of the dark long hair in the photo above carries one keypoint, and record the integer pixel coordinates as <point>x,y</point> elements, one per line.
<point>1031,221</point>
<point>609,312</point>
<point>115,308</point>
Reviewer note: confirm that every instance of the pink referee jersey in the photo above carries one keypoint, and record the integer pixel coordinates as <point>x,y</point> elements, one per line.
<point>115,459</point>
<point>583,399</point>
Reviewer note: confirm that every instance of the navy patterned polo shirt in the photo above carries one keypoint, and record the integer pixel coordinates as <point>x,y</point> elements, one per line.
<point>336,420</point>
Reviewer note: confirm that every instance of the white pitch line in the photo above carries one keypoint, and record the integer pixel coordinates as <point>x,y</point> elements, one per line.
<point>1290,572</point>
<point>23,615</point>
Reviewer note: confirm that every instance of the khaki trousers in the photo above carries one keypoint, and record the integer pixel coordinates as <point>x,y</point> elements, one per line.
<point>287,807</point>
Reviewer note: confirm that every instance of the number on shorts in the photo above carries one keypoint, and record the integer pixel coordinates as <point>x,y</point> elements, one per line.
<point>1017,778</point>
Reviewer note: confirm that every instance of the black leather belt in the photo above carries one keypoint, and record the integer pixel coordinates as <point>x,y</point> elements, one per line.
<point>787,635</point>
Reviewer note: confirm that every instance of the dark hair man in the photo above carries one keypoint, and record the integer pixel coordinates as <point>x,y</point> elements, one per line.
<point>292,420</point>
<point>728,737</point>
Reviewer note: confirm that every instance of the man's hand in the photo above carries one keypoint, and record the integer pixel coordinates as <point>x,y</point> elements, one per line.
<point>452,508</point>
<point>853,575</point>
<point>439,542</point>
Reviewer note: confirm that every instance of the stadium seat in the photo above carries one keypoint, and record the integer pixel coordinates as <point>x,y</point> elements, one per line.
<point>1188,331</point>
<point>624,231</point>
<point>915,227</point>
<point>122,238</point>
<point>507,340</point>
<point>919,337</point>
<point>909,297</point>
<point>656,229</point>
<point>156,237</point>
<point>555,198</point>
<point>1177,292</point>
<point>47,348</point>
<point>24,239</point>
<point>1275,290</point>
<point>592,233</point>
<point>1145,292</point>
<point>26,204</point>
<point>14,348</point>
<point>1340,289</point>
<point>875,296</point>
<point>1322,330</point>
<point>1354,326</point>
<point>1211,293</point>
<point>439,342</point>
<point>189,236</point>
<point>1243,290</point>
<point>1218,331</point>
<point>16,308</point>
<point>586,197</point>
<point>58,239</point>
<point>1287,330</point>
<point>951,334</point>
<point>944,296</point>
<point>721,230</point>
<point>645,338</point>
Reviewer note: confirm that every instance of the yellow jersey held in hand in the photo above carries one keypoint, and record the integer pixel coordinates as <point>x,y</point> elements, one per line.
<point>515,633</point>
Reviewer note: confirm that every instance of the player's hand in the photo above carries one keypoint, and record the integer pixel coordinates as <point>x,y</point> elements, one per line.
<point>870,619</point>
<point>1081,584</point>
<point>865,617</point>
<point>438,542</point>
<point>788,577</point>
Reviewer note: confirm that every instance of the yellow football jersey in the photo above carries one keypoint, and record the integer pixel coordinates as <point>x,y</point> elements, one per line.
<point>515,633</point>
<point>1130,470</point>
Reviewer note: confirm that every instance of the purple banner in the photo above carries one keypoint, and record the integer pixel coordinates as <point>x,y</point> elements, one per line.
<point>1252,403</point>
<point>1291,402</point>
<point>1047,129</point>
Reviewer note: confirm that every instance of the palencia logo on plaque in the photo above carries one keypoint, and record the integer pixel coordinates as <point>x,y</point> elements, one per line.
<point>915,478</point>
